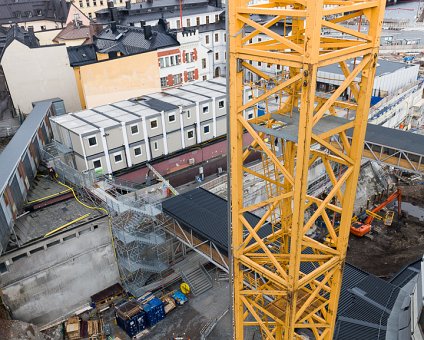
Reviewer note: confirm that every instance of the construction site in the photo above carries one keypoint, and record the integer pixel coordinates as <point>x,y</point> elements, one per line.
<point>300,217</point>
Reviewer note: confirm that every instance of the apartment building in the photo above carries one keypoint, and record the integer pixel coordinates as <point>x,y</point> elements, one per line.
<point>40,15</point>
<point>205,20</point>
<point>194,13</point>
<point>116,136</point>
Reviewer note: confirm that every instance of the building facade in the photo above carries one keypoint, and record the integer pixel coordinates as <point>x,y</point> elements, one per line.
<point>20,160</point>
<point>121,135</point>
<point>37,73</point>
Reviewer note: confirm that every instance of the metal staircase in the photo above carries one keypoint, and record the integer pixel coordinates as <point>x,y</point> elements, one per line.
<point>199,280</point>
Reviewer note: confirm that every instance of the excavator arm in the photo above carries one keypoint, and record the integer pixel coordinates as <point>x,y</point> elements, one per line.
<point>396,195</point>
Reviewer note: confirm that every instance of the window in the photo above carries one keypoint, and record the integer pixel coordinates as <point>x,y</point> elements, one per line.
<point>163,81</point>
<point>206,129</point>
<point>101,2</point>
<point>216,37</point>
<point>97,164</point>
<point>207,39</point>
<point>172,60</point>
<point>134,129</point>
<point>178,24</point>
<point>217,56</point>
<point>188,22</point>
<point>166,61</point>
<point>43,28</point>
<point>204,63</point>
<point>153,123</point>
<point>221,104</point>
<point>38,12</point>
<point>225,37</point>
<point>177,59</point>
<point>198,21</point>
<point>259,39</point>
<point>87,3</point>
<point>90,15</point>
<point>92,141</point>
<point>204,77</point>
<point>190,75</point>
<point>259,63</point>
<point>137,151</point>
<point>207,19</point>
<point>190,134</point>
<point>171,118</point>
<point>155,146</point>
<point>250,115</point>
<point>94,3</point>
<point>161,63</point>
<point>188,114</point>
<point>216,18</point>
<point>118,157</point>
<point>205,109</point>
<point>81,4</point>
<point>178,79</point>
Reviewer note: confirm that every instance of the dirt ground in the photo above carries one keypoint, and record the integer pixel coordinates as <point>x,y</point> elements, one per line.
<point>386,250</point>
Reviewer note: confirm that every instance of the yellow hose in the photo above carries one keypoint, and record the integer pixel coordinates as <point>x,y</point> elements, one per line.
<point>47,197</point>
<point>66,225</point>
<point>83,204</point>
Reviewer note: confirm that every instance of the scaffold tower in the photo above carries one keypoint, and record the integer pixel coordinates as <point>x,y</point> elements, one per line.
<point>285,282</point>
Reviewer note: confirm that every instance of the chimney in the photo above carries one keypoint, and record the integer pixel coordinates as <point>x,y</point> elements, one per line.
<point>128,4</point>
<point>142,23</point>
<point>148,32</point>
<point>112,11</point>
<point>31,30</point>
<point>113,26</point>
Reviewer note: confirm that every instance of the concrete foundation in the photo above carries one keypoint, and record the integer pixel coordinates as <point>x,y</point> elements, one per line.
<point>55,276</point>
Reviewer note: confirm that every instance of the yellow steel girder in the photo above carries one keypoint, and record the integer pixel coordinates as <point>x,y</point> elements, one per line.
<point>284,279</point>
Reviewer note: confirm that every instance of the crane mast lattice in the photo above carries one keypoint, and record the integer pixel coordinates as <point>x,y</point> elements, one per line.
<point>284,281</point>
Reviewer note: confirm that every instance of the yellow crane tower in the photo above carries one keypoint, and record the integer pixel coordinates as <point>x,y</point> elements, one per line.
<point>284,281</point>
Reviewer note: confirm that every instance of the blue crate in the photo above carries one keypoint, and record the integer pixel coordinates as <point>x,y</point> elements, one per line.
<point>155,311</point>
<point>134,325</point>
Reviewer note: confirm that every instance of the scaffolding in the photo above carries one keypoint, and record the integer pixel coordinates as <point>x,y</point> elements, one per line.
<point>143,250</point>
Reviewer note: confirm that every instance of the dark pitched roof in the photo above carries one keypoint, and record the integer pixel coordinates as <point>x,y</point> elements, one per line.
<point>33,10</point>
<point>207,214</point>
<point>7,35</point>
<point>82,55</point>
<point>369,307</point>
<point>132,40</point>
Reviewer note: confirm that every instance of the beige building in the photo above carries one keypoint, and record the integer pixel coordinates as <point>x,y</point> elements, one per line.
<point>35,74</point>
<point>112,80</point>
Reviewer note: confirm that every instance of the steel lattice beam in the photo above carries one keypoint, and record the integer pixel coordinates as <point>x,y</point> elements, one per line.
<point>284,281</point>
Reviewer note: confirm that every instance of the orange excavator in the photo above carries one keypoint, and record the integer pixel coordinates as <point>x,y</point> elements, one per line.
<point>361,229</point>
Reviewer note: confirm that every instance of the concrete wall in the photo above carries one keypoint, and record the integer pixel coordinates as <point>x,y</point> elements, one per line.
<point>61,277</point>
<point>118,79</point>
<point>34,74</point>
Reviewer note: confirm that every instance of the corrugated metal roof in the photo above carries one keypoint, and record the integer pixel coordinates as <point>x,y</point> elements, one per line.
<point>13,152</point>
<point>114,114</point>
